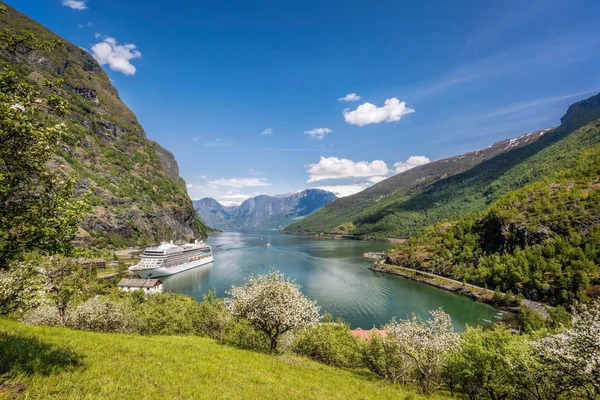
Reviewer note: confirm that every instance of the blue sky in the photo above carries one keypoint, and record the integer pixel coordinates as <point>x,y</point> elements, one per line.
<point>256,96</point>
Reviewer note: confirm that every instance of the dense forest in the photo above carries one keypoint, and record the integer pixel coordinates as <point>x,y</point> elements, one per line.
<point>541,241</point>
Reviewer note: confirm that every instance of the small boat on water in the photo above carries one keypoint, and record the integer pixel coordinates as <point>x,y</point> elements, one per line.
<point>268,245</point>
<point>487,320</point>
<point>168,259</point>
<point>497,317</point>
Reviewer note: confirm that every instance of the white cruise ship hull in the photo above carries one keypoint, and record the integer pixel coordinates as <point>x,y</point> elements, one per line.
<point>175,269</point>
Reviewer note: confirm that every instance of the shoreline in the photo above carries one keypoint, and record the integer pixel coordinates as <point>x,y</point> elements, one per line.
<point>464,289</point>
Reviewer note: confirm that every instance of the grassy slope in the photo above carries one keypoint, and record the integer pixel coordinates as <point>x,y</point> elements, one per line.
<point>69,364</point>
<point>411,208</point>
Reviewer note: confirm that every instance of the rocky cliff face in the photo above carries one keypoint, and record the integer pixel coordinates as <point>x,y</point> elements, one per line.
<point>263,212</point>
<point>137,194</point>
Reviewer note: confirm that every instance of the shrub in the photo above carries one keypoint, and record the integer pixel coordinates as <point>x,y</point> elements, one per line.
<point>530,320</point>
<point>43,315</point>
<point>103,315</point>
<point>213,318</point>
<point>240,333</point>
<point>329,343</point>
<point>168,314</point>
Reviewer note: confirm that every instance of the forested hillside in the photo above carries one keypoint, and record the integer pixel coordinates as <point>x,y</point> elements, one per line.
<point>542,241</point>
<point>403,205</point>
<point>136,195</point>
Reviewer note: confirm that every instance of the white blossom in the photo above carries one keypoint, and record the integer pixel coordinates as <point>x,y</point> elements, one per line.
<point>17,107</point>
<point>273,305</point>
<point>425,346</point>
<point>575,353</point>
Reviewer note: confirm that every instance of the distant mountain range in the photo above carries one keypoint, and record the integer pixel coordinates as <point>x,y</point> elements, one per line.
<point>404,204</point>
<point>263,212</point>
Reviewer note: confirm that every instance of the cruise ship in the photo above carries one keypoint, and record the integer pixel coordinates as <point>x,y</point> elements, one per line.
<point>168,259</point>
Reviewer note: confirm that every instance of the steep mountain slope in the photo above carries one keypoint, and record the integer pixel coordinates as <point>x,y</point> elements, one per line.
<point>137,194</point>
<point>263,212</point>
<point>541,241</point>
<point>403,205</point>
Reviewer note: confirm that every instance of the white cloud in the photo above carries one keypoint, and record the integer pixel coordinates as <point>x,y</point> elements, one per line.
<point>267,131</point>
<point>335,168</point>
<point>79,25</point>
<point>318,133</point>
<point>75,4</point>
<point>97,35</point>
<point>367,113</point>
<point>240,182</point>
<point>413,161</point>
<point>350,97</point>
<point>115,55</point>
<point>346,190</point>
<point>377,179</point>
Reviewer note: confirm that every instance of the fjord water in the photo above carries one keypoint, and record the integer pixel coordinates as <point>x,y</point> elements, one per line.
<point>332,272</point>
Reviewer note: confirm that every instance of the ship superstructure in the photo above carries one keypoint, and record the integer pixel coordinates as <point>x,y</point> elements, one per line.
<point>169,258</point>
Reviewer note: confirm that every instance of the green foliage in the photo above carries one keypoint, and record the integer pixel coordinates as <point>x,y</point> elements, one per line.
<point>167,314</point>
<point>530,320</point>
<point>540,241</point>
<point>384,358</point>
<point>37,208</point>
<point>214,319</point>
<point>495,363</point>
<point>330,343</point>
<point>66,282</point>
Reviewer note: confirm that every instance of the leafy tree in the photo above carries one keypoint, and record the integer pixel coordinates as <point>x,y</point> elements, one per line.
<point>385,358</point>
<point>272,305</point>
<point>65,282</point>
<point>37,208</point>
<point>493,362</point>
<point>530,320</point>
<point>428,345</point>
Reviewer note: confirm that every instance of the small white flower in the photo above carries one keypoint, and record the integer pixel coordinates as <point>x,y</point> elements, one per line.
<point>17,107</point>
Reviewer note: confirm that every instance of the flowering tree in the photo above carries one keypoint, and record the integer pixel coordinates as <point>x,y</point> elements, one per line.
<point>272,305</point>
<point>573,356</point>
<point>20,288</point>
<point>427,345</point>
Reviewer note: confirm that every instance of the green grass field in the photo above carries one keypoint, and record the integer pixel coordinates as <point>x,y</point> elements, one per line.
<point>38,362</point>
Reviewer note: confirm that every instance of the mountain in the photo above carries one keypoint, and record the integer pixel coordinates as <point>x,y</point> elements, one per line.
<point>541,241</point>
<point>263,212</point>
<point>137,194</point>
<point>404,204</point>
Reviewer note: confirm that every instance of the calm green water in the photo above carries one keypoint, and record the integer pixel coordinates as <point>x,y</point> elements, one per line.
<point>332,272</point>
